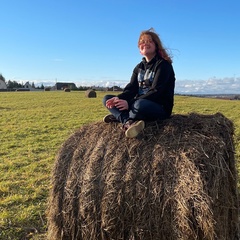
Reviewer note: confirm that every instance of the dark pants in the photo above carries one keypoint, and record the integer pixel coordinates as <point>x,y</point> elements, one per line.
<point>141,109</point>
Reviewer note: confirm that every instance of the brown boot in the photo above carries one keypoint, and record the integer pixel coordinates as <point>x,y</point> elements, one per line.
<point>133,128</point>
<point>109,119</point>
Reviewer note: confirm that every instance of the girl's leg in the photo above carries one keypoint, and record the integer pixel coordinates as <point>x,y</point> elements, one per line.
<point>147,110</point>
<point>121,116</point>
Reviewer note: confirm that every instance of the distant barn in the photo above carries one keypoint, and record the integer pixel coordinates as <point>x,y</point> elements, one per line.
<point>64,85</point>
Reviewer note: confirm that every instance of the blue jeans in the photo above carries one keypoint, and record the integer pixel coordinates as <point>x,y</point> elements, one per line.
<point>141,109</point>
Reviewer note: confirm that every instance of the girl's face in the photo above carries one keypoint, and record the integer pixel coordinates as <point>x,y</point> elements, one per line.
<point>147,46</point>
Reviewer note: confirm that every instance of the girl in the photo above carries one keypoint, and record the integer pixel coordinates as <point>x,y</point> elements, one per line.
<point>150,93</point>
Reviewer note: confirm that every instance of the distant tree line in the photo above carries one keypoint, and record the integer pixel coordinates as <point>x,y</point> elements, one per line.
<point>11,85</point>
<point>236,97</point>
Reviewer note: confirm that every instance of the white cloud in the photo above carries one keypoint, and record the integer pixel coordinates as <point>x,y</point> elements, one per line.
<point>210,86</point>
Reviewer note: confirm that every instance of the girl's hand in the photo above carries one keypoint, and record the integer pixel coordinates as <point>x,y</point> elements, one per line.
<point>121,104</point>
<point>110,103</point>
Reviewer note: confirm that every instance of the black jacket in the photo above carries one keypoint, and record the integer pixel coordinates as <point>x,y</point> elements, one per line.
<point>154,80</point>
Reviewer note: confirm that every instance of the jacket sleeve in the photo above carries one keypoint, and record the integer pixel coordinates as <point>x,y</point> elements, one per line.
<point>160,85</point>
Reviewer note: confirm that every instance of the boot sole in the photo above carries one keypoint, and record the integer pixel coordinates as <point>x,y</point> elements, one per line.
<point>135,129</point>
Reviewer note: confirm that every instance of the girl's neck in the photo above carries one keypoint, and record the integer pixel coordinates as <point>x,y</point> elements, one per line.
<point>149,57</point>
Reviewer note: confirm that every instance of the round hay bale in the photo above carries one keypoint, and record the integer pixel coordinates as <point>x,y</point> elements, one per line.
<point>67,90</point>
<point>176,181</point>
<point>90,93</point>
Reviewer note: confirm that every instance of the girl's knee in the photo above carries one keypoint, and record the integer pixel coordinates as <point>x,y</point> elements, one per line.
<point>106,97</point>
<point>138,104</point>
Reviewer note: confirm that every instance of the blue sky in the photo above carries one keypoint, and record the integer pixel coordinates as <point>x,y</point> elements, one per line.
<point>94,42</point>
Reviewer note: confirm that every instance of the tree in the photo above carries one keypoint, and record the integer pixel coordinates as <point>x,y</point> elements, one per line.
<point>1,77</point>
<point>13,84</point>
<point>236,97</point>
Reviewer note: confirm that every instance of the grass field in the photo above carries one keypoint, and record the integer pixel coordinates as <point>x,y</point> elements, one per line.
<point>32,127</point>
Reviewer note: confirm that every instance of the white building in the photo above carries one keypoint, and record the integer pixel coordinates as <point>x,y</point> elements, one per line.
<point>3,85</point>
<point>27,85</point>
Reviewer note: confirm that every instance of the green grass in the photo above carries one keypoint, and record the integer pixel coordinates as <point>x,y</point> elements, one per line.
<point>33,125</point>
